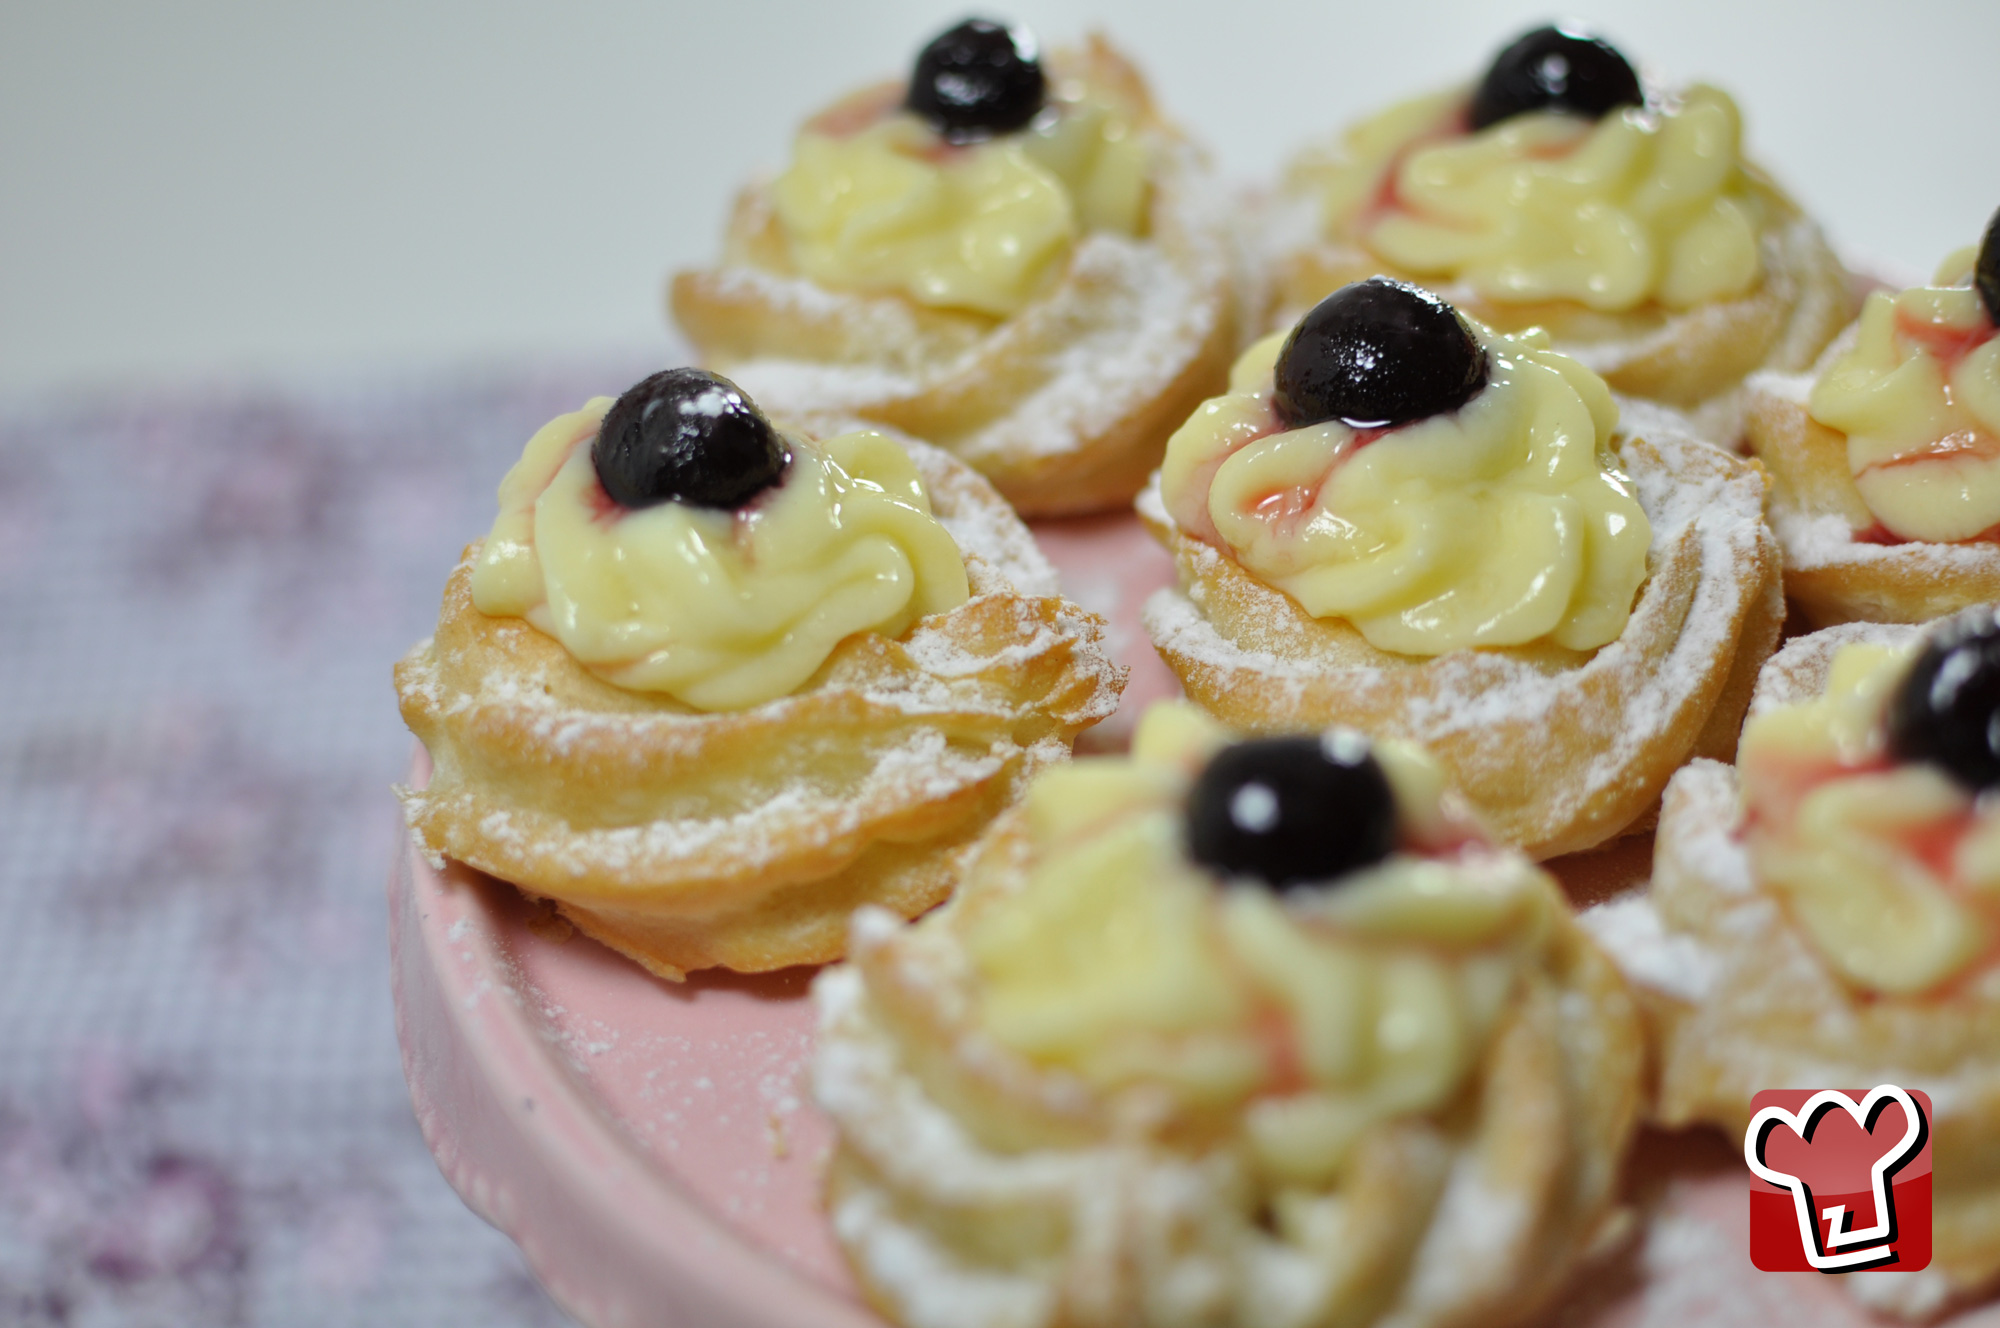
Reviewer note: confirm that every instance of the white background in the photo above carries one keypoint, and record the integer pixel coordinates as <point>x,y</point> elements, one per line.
<point>209,190</point>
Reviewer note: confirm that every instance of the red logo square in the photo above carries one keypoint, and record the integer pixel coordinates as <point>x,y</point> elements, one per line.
<point>1840,1179</point>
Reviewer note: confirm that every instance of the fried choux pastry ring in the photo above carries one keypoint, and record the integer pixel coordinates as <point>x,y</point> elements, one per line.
<point>1469,547</point>
<point>1016,259</point>
<point>1824,913</point>
<point>709,725</point>
<point>1262,1035</point>
<point>1885,459</point>
<point>1564,192</point>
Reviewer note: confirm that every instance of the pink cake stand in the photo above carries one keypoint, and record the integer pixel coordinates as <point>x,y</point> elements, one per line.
<point>653,1149</point>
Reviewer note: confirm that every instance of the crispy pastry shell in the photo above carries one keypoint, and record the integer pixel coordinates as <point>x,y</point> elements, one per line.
<point>971,1188</point>
<point>1559,750</point>
<point>1067,405</point>
<point>746,838</point>
<point>1750,1005</point>
<point>1817,511</point>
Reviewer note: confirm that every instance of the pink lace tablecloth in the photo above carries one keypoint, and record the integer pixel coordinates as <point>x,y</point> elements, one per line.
<point>202,1116</point>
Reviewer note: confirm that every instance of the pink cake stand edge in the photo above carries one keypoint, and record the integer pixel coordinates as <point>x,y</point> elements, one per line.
<point>614,1241</point>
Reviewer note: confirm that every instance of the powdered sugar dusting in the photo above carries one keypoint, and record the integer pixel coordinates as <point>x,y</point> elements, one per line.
<point>941,655</point>
<point>1474,1238</point>
<point>1468,692</point>
<point>929,1288</point>
<point>1798,672</point>
<point>1795,388</point>
<point>885,320</point>
<point>1149,322</point>
<point>999,539</point>
<point>1706,842</point>
<point>1815,541</point>
<point>1096,379</point>
<point>923,769</point>
<point>979,521</point>
<point>804,387</point>
<point>1631,932</point>
<point>858,1079</point>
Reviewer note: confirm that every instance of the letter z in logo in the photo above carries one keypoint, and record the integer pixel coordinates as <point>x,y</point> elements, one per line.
<point>1843,1180</point>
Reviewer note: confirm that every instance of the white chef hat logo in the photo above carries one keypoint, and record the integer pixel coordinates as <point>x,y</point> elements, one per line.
<point>1845,1248</point>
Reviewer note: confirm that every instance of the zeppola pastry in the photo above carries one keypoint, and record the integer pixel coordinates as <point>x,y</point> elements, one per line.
<point>1826,913</point>
<point>1885,460</point>
<point>1400,520</point>
<point>709,686</point>
<point>1561,192</point>
<point>1263,1034</point>
<point>1027,268</point>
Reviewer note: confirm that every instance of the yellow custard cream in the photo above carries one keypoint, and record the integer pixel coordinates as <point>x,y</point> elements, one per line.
<point>719,610</point>
<point>1646,205</point>
<point>1121,960</point>
<point>1918,397</point>
<point>1881,864</point>
<point>1499,524</point>
<point>891,207</point>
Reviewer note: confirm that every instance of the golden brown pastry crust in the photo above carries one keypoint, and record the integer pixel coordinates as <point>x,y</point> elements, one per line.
<point>1067,405</point>
<point>1558,750</point>
<point>1684,359</point>
<point>1765,1010</point>
<point>746,838</point>
<point>1817,512</point>
<point>972,1188</point>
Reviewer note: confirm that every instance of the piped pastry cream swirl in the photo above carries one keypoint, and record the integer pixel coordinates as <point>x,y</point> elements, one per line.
<point>1649,204</point>
<point>1504,522</point>
<point>720,610</point>
<point>1892,868</point>
<point>1918,396</point>
<point>1120,962</point>
<point>1119,1082</point>
<point>875,200</point>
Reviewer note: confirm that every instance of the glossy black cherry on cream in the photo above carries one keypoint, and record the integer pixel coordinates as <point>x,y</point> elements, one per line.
<point>1377,354</point>
<point>978,79</point>
<point>1555,69</point>
<point>1289,811</point>
<point>1986,275</point>
<point>687,435</point>
<point>1947,710</point>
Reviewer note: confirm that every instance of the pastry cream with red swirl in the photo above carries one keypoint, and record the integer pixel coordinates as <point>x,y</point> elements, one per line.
<point>875,200</point>
<point>1892,869</point>
<point>1918,396</point>
<point>1119,960</point>
<point>1498,524</point>
<point>1646,205</point>
<point>719,610</point>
